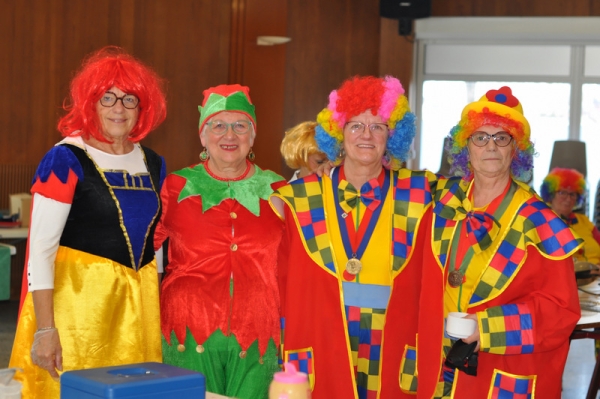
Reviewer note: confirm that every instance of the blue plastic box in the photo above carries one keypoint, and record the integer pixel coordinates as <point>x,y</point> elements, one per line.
<point>141,380</point>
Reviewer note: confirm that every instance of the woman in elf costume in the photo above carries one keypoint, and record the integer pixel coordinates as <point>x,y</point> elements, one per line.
<point>350,288</point>
<point>500,254</point>
<point>219,298</point>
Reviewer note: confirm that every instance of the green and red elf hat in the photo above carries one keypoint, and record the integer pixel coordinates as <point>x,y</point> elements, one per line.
<point>222,98</point>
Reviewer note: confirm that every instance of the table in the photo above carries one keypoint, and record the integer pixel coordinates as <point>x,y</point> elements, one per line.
<point>14,232</point>
<point>590,294</point>
<point>16,237</point>
<point>13,249</point>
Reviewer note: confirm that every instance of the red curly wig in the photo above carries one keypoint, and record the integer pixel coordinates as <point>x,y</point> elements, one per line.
<point>103,69</point>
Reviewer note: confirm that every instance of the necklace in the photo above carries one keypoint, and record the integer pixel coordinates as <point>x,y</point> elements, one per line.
<point>240,177</point>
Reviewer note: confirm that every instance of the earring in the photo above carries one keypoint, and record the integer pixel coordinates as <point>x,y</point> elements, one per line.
<point>342,152</point>
<point>251,155</point>
<point>387,158</point>
<point>204,155</point>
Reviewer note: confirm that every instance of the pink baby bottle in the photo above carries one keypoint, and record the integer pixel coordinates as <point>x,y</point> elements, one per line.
<point>289,384</point>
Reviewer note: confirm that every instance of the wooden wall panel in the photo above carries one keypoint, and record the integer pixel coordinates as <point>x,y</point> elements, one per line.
<point>331,41</point>
<point>262,69</point>
<point>394,52</point>
<point>531,8</point>
<point>186,42</point>
<point>528,8</point>
<point>595,7</point>
<point>451,8</point>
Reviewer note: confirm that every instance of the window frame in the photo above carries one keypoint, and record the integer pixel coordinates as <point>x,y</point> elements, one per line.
<point>575,32</point>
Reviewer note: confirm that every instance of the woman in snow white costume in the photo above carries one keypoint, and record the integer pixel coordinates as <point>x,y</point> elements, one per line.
<point>91,288</point>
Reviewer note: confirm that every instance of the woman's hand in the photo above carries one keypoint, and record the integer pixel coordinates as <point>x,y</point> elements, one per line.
<point>475,336</point>
<point>324,168</point>
<point>46,351</point>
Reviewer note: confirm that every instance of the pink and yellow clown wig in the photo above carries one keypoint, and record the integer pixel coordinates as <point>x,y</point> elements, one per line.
<point>108,67</point>
<point>384,97</point>
<point>563,179</point>
<point>497,108</point>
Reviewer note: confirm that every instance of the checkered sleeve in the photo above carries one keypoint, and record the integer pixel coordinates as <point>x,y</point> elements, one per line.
<point>506,329</point>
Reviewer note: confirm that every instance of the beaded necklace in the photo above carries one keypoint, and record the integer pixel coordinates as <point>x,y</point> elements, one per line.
<point>226,179</point>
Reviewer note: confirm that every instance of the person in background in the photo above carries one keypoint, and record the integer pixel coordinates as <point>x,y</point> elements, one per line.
<point>91,283</point>
<point>219,297</point>
<point>300,151</point>
<point>498,253</point>
<point>563,189</point>
<point>349,282</point>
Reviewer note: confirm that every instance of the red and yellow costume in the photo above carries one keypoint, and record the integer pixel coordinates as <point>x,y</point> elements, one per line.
<point>581,225</point>
<point>322,305</point>
<point>105,278</point>
<point>520,285</point>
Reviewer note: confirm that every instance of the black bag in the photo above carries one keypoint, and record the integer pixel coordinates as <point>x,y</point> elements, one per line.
<point>463,357</point>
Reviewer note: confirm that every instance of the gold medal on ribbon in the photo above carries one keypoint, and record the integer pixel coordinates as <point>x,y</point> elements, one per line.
<point>353,266</point>
<point>455,279</point>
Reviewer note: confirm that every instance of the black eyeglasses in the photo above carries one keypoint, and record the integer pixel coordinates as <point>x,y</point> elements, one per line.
<point>570,194</point>
<point>480,139</point>
<point>109,99</point>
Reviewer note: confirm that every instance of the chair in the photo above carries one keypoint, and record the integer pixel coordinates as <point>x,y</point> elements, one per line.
<point>571,154</point>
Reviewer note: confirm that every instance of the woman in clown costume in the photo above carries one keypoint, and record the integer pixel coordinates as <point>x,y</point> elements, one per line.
<point>219,297</point>
<point>91,288</point>
<point>350,286</point>
<point>564,189</point>
<point>500,254</point>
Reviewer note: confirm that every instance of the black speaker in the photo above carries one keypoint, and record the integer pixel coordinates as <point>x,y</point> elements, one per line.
<point>412,9</point>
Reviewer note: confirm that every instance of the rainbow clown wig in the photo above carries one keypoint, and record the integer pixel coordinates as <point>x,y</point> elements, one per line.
<point>108,67</point>
<point>384,97</point>
<point>563,179</point>
<point>497,108</point>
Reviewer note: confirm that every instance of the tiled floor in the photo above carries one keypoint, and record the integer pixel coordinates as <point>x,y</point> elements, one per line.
<point>580,362</point>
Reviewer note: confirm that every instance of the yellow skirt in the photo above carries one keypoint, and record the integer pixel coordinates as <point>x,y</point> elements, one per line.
<point>106,315</point>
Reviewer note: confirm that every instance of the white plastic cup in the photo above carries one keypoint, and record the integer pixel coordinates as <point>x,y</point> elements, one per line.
<point>459,327</point>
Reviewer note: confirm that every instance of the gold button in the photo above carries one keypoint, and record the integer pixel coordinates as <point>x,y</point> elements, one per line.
<point>233,215</point>
<point>181,348</point>
<point>200,349</point>
<point>234,247</point>
<point>242,354</point>
<point>261,361</point>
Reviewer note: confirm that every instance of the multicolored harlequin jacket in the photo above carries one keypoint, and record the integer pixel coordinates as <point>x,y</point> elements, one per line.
<point>314,322</point>
<point>520,285</point>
